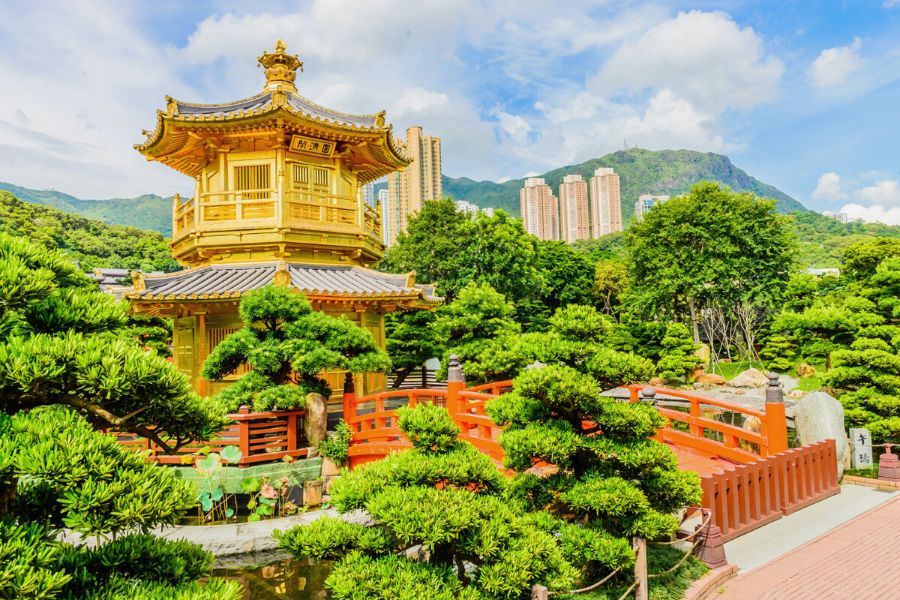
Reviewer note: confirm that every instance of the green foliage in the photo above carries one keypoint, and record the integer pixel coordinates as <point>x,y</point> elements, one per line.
<point>337,446</point>
<point>451,249</point>
<point>409,341</point>
<point>288,346</point>
<point>712,249</point>
<point>428,427</point>
<point>447,498</point>
<point>470,328</point>
<point>611,476</point>
<point>679,357</point>
<point>76,478</point>
<point>65,354</point>
<point>778,353</point>
<point>92,243</point>
<point>63,341</point>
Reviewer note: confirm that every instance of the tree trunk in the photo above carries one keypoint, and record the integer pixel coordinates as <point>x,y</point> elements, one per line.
<point>8,496</point>
<point>694,320</point>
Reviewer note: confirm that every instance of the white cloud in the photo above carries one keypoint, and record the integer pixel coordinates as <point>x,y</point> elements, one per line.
<point>873,214</point>
<point>829,187</point>
<point>883,192</point>
<point>835,66</point>
<point>703,57</point>
<point>81,92</point>
<point>891,3</point>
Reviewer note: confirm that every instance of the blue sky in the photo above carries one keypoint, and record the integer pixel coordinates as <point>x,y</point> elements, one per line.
<point>804,95</point>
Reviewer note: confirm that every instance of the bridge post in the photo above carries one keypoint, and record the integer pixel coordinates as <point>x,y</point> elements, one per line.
<point>456,382</point>
<point>349,397</point>
<point>776,420</point>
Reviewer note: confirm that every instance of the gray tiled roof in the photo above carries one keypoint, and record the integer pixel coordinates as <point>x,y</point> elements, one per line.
<point>264,101</point>
<point>233,280</point>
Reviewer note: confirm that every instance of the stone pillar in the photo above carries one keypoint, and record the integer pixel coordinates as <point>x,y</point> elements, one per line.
<point>889,466</point>
<point>456,382</point>
<point>648,395</point>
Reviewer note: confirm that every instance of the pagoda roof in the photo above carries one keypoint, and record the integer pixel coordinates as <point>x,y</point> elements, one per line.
<point>316,281</point>
<point>186,132</point>
<point>263,102</point>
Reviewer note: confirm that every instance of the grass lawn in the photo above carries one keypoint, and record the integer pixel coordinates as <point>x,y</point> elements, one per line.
<point>667,587</point>
<point>807,384</point>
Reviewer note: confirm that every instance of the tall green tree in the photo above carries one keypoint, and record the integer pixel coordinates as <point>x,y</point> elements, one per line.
<point>410,341</point>
<point>712,250</point>
<point>475,327</point>
<point>452,249</point>
<point>288,346</point>
<point>65,367</point>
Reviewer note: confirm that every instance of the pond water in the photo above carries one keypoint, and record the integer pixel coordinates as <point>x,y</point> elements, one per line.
<point>273,575</point>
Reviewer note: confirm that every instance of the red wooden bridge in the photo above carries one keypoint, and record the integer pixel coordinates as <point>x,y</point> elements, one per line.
<point>749,478</point>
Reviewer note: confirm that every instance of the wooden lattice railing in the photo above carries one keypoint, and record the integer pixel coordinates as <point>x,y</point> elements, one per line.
<point>260,436</point>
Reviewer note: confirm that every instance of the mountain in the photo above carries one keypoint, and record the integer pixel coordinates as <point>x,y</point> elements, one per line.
<point>147,212</point>
<point>670,172</point>
<point>90,242</point>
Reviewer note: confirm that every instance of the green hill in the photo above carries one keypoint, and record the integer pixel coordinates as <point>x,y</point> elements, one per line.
<point>147,212</point>
<point>671,172</point>
<point>90,242</point>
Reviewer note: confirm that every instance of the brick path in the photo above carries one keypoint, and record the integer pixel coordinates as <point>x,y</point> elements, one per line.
<point>859,559</point>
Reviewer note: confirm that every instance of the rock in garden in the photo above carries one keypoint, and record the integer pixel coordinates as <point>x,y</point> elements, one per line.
<point>657,381</point>
<point>805,370</point>
<point>796,394</point>
<point>711,379</point>
<point>751,378</point>
<point>703,354</point>
<point>316,423</point>
<point>819,416</point>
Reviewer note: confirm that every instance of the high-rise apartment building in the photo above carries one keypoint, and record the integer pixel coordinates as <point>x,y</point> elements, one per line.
<point>645,202</point>
<point>540,209</point>
<point>420,181</point>
<point>574,222</point>
<point>368,193</point>
<point>385,217</point>
<point>606,202</point>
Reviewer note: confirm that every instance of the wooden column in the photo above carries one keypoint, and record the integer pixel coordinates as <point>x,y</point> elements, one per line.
<point>202,349</point>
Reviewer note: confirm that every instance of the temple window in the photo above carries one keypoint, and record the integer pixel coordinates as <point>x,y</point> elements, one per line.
<point>301,176</point>
<point>255,178</point>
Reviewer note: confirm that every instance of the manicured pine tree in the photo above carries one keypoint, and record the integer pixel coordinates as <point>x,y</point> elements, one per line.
<point>869,371</point>
<point>610,476</point>
<point>443,527</point>
<point>69,363</point>
<point>288,346</point>
<point>679,357</point>
<point>778,353</point>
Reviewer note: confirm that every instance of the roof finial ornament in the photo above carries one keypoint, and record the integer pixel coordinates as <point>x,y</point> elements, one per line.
<point>281,68</point>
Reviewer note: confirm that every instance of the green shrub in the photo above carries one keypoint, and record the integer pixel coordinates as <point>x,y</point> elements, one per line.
<point>337,446</point>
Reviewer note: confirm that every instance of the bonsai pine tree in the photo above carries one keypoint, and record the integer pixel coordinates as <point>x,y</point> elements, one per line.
<point>443,527</point>
<point>610,476</point>
<point>288,345</point>
<point>778,352</point>
<point>869,371</point>
<point>678,359</point>
<point>67,364</point>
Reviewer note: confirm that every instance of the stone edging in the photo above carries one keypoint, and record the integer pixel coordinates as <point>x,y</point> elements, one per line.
<point>238,538</point>
<point>709,583</point>
<point>875,483</point>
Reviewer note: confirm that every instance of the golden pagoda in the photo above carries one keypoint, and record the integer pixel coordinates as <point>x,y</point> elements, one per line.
<point>277,199</point>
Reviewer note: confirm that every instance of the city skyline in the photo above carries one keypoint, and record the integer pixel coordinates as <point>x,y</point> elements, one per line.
<point>801,96</point>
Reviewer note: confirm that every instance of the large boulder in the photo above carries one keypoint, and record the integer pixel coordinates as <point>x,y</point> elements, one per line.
<point>819,416</point>
<point>711,379</point>
<point>751,378</point>
<point>316,423</point>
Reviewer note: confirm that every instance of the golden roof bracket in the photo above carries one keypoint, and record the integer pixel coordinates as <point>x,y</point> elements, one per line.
<point>137,281</point>
<point>282,277</point>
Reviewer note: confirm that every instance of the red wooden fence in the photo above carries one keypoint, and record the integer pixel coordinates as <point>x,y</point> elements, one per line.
<point>758,493</point>
<point>260,436</point>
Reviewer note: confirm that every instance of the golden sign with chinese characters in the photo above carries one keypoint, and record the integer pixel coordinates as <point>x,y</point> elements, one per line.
<point>300,143</point>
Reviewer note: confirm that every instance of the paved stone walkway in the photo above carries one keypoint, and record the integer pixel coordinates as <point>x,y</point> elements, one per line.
<point>860,559</point>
